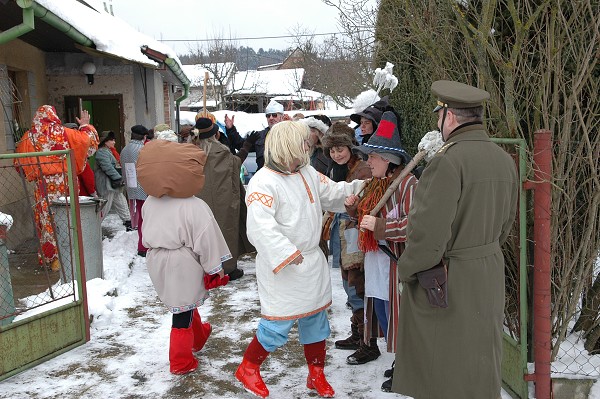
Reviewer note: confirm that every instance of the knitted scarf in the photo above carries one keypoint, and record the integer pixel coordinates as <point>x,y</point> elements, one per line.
<point>373,193</point>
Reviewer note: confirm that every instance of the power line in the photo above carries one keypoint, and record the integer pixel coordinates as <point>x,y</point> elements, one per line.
<point>256,38</point>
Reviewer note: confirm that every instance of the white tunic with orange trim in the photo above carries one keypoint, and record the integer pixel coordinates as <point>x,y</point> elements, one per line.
<point>285,213</point>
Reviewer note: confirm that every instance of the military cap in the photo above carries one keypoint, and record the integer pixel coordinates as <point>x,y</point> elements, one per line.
<point>452,94</point>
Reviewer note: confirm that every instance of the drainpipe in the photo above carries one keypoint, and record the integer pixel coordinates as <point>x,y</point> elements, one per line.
<point>24,27</point>
<point>31,8</point>
<point>176,70</point>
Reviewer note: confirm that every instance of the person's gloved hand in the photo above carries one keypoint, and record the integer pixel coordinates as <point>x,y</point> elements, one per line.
<point>214,280</point>
<point>252,138</point>
<point>116,183</point>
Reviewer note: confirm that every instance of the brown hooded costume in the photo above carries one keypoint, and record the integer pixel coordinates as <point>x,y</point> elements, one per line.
<point>223,192</point>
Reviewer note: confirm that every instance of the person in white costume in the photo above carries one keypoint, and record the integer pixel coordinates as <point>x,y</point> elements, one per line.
<point>286,200</point>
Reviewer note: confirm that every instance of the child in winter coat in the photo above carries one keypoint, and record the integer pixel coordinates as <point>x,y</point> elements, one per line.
<point>285,202</point>
<point>186,249</point>
<point>383,235</point>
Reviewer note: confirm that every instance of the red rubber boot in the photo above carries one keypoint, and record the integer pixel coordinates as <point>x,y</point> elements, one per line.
<point>248,373</point>
<point>315,358</point>
<point>201,331</point>
<point>181,359</point>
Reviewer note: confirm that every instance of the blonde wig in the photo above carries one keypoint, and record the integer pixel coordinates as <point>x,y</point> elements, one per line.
<point>285,144</point>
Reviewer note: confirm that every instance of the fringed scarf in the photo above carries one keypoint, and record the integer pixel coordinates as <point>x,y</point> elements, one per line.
<point>373,193</point>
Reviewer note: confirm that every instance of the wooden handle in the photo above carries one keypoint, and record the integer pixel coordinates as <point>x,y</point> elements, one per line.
<point>204,110</point>
<point>394,185</point>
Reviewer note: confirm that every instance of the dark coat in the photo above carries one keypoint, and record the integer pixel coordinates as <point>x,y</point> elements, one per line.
<point>464,207</point>
<point>235,142</point>
<point>223,192</point>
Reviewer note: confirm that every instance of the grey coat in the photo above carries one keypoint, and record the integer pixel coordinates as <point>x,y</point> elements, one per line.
<point>464,207</point>
<point>106,170</point>
<point>129,155</point>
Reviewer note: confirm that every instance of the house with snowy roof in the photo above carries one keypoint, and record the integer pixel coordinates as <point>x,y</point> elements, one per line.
<point>251,91</point>
<point>217,77</point>
<point>75,54</point>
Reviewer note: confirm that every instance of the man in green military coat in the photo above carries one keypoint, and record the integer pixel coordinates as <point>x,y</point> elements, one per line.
<point>463,210</point>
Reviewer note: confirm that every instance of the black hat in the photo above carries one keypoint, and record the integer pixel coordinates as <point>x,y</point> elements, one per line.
<point>386,141</point>
<point>105,136</point>
<point>140,130</point>
<point>371,113</point>
<point>452,94</point>
<point>206,128</point>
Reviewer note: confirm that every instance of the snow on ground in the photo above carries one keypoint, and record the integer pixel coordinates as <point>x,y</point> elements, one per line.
<point>127,356</point>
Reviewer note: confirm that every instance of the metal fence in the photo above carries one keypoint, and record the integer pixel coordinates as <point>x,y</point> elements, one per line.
<point>39,259</point>
<point>36,249</point>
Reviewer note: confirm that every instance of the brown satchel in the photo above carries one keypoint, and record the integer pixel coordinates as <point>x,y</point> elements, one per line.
<point>435,282</point>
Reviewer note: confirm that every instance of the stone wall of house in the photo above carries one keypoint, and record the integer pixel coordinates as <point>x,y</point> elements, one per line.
<point>23,67</point>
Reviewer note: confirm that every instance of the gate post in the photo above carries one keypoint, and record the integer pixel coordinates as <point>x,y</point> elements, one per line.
<point>542,324</point>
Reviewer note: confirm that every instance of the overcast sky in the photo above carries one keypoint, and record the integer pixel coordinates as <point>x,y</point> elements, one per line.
<point>195,19</point>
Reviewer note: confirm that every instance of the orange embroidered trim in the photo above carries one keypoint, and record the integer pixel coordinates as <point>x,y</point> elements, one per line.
<point>286,261</point>
<point>298,316</point>
<point>264,199</point>
<point>323,178</point>
<point>310,196</point>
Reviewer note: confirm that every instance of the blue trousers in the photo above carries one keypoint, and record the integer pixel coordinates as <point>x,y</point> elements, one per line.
<point>354,300</point>
<point>382,310</point>
<point>335,245</point>
<point>273,334</point>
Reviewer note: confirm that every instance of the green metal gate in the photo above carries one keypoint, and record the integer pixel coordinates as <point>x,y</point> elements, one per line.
<point>43,325</point>
<point>514,359</point>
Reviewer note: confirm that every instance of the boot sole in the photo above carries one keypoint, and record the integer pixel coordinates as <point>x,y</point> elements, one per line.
<point>359,362</point>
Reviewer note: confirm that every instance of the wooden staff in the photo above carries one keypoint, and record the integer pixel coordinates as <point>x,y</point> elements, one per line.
<point>204,111</point>
<point>394,185</point>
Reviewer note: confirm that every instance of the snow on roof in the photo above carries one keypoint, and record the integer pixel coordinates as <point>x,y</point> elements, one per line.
<point>110,34</point>
<point>195,72</point>
<point>301,95</point>
<point>271,83</point>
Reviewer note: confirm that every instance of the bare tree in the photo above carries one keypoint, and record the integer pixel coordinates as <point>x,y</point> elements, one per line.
<point>217,56</point>
<point>539,59</point>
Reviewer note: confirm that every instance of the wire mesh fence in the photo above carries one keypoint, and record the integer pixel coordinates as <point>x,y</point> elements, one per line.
<point>579,352</point>
<point>36,246</point>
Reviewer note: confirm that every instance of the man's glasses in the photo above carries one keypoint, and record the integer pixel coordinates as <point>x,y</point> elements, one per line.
<point>272,115</point>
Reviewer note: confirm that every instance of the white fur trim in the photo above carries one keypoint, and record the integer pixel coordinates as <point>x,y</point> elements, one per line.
<point>316,123</point>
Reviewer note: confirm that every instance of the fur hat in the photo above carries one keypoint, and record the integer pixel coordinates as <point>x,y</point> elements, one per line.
<point>204,128</point>
<point>106,135</point>
<point>339,135</point>
<point>160,127</point>
<point>315,123</point>
<point>323,118</point>
<point>167,135</point>
<point>386,141</point>
<point>274,108</point>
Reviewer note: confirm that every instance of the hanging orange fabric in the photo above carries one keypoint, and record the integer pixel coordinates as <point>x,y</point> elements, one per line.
<point>32,166</point>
